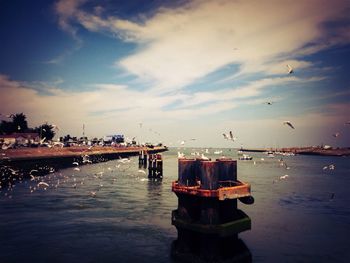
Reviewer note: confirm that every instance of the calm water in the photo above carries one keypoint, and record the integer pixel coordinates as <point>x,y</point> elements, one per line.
<point>302,218</point>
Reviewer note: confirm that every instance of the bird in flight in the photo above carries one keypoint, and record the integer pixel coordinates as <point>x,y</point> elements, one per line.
<point>229,136</point>
<point>184,141</point>
<point>336,134</point>
<point>289,124</point>
<point>290,69</point>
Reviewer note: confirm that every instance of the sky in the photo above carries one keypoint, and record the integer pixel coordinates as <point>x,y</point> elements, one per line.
<point>168,71</point>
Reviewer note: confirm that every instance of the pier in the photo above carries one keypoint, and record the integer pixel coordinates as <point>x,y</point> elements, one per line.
<point>17,163</point>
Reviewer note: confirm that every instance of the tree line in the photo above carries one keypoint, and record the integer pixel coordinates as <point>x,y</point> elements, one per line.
<point>19,124</point>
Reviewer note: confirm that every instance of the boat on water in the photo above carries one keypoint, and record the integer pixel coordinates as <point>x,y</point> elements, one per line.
<point>245,157</point>
<point>270,154</point>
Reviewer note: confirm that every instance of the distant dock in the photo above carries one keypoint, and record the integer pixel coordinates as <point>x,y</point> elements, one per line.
<point>21,162</point>
<point>304,151</point>
<point>43,153</point>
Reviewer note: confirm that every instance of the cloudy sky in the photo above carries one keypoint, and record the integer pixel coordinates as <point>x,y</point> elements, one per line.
<point>184,69</point>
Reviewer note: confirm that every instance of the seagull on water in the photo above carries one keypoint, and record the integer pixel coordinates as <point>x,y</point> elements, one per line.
<point>289,124</point>
<point>180,155</point>
<point>203,157</point>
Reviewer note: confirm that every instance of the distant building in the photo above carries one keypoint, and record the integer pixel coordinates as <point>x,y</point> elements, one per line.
<point>20,138</point>
<point>117,138</point>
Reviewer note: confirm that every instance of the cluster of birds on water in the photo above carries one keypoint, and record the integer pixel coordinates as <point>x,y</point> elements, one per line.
<point>74,177</point>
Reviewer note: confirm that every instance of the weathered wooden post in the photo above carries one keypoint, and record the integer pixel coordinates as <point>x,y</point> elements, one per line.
<point>207,219</point>
<point>155,166</point>
<point>142,159</point>
<point>159,166</point>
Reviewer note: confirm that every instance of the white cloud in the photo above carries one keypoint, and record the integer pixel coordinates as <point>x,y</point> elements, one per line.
<point>184,44</point>
<point>112,107</point>
<point>107,107</point>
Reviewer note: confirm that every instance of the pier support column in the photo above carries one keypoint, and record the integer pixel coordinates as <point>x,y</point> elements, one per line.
<point>207,219</point>
<point>155,166</point>
<point>142,159</point>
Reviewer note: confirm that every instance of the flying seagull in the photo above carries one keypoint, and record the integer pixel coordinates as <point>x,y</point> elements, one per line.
<point>289,124</point>
<point>229,136</point>
<point>336,134</point>
<point>184,141</point>
<point>290,69</point>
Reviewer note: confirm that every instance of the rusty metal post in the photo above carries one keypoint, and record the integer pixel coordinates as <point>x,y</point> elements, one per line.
<point>207,219</point>
<point>186,171</point>
<point>208,174</point>
<point>227,170</point>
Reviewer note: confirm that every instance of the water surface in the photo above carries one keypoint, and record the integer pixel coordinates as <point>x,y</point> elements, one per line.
<point>111,212</point>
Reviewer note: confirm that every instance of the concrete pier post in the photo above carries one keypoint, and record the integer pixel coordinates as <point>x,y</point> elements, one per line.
<point>207,219</point>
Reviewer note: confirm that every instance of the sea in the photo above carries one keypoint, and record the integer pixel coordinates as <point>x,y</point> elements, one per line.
<point>112,212</point>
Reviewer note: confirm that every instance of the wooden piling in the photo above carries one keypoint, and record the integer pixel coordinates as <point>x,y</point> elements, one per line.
<point>155,166</point>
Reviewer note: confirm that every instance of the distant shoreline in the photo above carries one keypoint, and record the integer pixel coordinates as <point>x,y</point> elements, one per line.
<point>42,153</point>
<point>16,164</point>
<point>304,151</point>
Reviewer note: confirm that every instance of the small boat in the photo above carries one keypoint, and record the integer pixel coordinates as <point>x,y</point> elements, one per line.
<point>245,157</point>
<point>270,154</point>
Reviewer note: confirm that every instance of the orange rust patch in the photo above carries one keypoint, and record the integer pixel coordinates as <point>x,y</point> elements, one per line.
<point>239,190</point>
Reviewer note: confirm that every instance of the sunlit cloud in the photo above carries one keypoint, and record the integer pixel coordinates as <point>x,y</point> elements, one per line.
<point>199,66</point>
<point>184,44</point>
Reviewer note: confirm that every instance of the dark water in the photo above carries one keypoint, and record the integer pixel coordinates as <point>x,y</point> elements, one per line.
<point>302,218</point>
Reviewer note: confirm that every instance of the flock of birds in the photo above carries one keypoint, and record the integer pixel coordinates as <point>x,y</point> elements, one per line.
<point>90,180</point>
<point>45,182</point>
